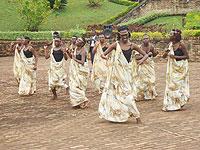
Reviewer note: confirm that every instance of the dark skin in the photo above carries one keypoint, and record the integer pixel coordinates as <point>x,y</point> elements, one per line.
<point>148,48</point>
<point>80,49</point>
<point>176,45</point>
<point>26,44</point>
<point>58,44</point>
<point>125,44</point>
<point>101,41</point>
<point>14,45</point>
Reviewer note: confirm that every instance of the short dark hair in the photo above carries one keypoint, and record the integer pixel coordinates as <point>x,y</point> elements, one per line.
<point>122,28</point>
<point>177,33</point>
<point>27,38</point>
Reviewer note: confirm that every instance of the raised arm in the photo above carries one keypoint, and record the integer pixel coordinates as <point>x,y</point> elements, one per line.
<point>46,52</point>
<point>110,48</point>
<point>139,50</point>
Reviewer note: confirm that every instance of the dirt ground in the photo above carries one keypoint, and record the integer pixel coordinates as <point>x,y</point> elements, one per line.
<point>37,123</point>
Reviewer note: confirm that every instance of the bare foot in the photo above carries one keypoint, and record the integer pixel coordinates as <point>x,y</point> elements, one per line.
<point>54,97</point>
<point>138,120</point>
<point>84,104</point>
<point>67,90</point>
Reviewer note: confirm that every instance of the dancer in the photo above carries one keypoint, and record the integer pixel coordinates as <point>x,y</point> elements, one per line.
<point>78,75</point>
<point>177,77</point>
<point>27,85</point>
<point>146,72</point>
<point>117,102</point>
<point>99,71</point>
<point>57,74</point>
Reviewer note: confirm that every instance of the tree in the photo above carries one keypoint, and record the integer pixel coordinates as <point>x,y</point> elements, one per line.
<point>34,12</point>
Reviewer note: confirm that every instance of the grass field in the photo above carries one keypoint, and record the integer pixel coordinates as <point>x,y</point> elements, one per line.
<point>170,22</point>
<point>76,13</point>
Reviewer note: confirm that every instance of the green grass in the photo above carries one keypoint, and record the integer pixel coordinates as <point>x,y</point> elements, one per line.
<point>77,13</point>
<point>169,22</point>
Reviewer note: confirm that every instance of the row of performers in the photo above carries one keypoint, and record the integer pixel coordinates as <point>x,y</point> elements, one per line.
<point>122,72</point>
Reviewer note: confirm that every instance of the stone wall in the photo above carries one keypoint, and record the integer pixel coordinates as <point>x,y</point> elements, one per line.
<point>171,6</point>
<point>192,44</point>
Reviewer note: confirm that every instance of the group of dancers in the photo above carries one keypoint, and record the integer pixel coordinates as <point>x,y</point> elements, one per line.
<point>122,72</point>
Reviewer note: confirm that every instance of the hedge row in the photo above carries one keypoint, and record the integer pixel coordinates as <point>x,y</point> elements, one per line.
<point>114,18</point>
<point>145,19</point>
<point>162,36</point>
<point>42,35</point>
<point>123,2</point>
<point>47,35</point>
<point>128,3</point>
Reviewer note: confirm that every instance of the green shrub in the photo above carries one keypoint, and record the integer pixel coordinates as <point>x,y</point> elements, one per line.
<point>77,32</point>
<point>191,33</point>
<point>47,35</point>
<point>43,35</point>
<point>152,35</point>
<point>33,12</point>
<point>193,20</point>
<point>145,19</point>
<point>123,2</point>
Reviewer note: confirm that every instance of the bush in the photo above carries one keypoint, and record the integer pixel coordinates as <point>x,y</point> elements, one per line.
<point>43,35</point>
<point>193,20</point>
<point>34,12</point>
<point>77,32</point>
<point>47,35</point>
<point>152,35</point>
<point>94,3</point>
<point>123,2</point>
<point>191,33</point>
<point>145,19</point>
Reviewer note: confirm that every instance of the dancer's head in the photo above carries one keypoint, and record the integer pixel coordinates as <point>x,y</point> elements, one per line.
<point>57,41</point>
<point>19,40</point>
<point>175,35</point>
<point>80,42</point>
<point>146,39</point>
<point>73,39</point>
<point>123,34</point>
<point>102,38</point>
<point>26,40</point>
<point>55,34</point>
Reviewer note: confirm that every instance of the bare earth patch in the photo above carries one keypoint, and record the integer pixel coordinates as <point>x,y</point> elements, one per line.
<point>38,123</point>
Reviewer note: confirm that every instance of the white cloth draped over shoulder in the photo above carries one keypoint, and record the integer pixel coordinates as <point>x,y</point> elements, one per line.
<point>99,71</point>
<point>177,83</point>
<point>27,84</point>
<point>78,78</point>
<point>57,73</point>
<point>147,79</point>
<point>117,102</point>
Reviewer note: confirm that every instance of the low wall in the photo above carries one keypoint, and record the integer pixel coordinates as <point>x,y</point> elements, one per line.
<point>192,44</point>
